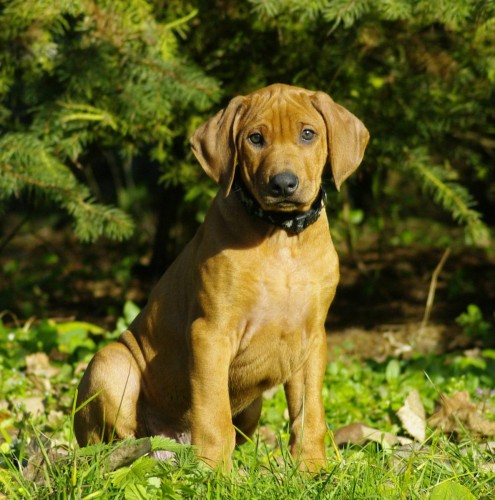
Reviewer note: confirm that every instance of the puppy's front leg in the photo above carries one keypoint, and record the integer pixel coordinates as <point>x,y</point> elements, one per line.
<point>212,430</point>
<point>306,413</point>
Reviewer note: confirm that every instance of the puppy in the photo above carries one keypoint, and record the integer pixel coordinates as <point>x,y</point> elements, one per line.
<point>242,309</point>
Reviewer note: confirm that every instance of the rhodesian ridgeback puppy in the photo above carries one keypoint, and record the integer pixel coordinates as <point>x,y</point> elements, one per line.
<point>243,307</point>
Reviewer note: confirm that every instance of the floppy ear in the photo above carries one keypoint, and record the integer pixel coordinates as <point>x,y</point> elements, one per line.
<point>346,136</point>
<point>214,146</point>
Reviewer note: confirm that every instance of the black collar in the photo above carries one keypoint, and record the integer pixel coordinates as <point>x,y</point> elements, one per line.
<point>293,222</point>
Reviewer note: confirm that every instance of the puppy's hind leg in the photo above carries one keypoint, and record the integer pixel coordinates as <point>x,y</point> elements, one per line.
<point>108,394</point>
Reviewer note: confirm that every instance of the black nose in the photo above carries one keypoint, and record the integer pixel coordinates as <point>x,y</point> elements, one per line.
<point>283,184</point>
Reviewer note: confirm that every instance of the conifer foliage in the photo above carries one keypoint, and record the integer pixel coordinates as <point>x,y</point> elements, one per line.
<point>79,76</point>
<point>76,74</point>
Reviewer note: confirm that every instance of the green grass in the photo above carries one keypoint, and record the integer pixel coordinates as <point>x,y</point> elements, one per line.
<point>39,457</point>
<point>361,472</point>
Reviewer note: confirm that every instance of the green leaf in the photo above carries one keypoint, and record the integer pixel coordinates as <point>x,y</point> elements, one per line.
<point>392,372</point>
<point>488,353</point>
<point>164,443</point>
<point>451,490</point>
<point>45,336</point>
<point>136,492</point>
<point>73,335</point>
<point>131,311</point>
<point>135,473</point>
<point>80,325</point>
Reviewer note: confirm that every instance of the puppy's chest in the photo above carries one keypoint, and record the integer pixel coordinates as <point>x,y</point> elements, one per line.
<point>269,355</point>
<point>275,332</point>
<point>273,342</point>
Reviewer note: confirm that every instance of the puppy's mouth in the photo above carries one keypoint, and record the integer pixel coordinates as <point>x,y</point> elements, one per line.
<point>300,200</point>
<point>284,205</point>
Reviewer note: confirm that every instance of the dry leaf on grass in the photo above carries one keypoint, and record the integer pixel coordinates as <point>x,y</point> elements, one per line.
<point>39,364</point>
<point>458,413</point>
<point>403,456</point>
<point>40,459</point>
<point>34,405</point>
<point>488,467</point>
<point>360,434</point>
<point>39,370</point>
<point>127,453</point>
<point>55,419</point>
<point>268,435</point>
<point>413,417</point>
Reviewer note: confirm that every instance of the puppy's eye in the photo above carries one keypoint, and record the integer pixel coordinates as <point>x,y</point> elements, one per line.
<point>256,139</point>
<point>308,135</point>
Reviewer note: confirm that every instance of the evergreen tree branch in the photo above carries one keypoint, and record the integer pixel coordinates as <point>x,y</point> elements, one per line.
<point>453,197</point>
<point>92,220</point>
<point>26,165</point>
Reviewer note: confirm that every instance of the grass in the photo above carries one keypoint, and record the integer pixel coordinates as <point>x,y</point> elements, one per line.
<point>39,457</point>
<point>363,472</point>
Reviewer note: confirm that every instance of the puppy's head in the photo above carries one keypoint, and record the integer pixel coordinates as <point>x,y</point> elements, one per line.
<point>280,139</point>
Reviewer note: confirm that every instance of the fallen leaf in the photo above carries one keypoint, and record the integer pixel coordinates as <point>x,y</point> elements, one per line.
<point>80,367</point>
<point>488,467</point>
<point>416,454</point>
<point>39,364</point>
<point>413,416</point>
<point>55,419</point>
<point>488,446</point>
<point>40,456</point>
<point>360,434</point>
<point>39,370</point>
<point>125,454</point>
<point>458,413</point>
<point>34,405</point>
<point>268,435</point>
<point>115,456</point>
<point>270,393</point>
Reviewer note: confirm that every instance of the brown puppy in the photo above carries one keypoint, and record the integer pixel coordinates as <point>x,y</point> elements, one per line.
<point>243,307</point>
